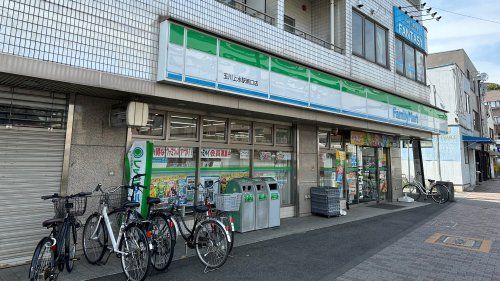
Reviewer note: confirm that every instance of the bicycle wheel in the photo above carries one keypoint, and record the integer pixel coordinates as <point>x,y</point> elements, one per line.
<point>70,247</point>
<point>412,191</point>
<point>225,219</point>
<point>440,193</point>
<point>211,244</point>
<point>136,257</point>
<point>41,263</point>
<point>94,239</point>
<point>163,243</point>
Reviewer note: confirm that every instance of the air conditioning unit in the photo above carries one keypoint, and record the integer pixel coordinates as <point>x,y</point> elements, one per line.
<point>134,114</point>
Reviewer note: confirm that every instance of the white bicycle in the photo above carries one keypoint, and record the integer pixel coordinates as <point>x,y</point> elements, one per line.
<point>438,192</point>
<point>131,245</point>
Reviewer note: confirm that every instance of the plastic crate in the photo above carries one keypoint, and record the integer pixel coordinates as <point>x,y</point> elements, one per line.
<point>325,201</point>
<point>326,191</point>
<point>228,202</point>
<point>325,212</point>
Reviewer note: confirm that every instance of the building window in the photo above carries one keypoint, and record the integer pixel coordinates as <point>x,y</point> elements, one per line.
<point>400,60</point>
<point>154,126</point>
<point>214,129</point>
<point>183,126</point>
<point>289,24</point>
<point>409,61</point>
<point>240,131</point>
<point>477,123</point>
<point>467,103</point>
<point>263,133</point>
<point>466,154</point>
<point>492,134</point>
<point>369,40</point>
<point>284,135</point>
<point>420,66</point>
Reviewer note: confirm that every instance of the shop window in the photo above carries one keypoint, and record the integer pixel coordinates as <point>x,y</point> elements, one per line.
<point>284,135</point>
<point>327,167</point>
<point>183,126</point>
<point>154,126</point>
<point>214,129</point>
<point>263,133</point>
<point>323,139</point>
<point>221,164</point>
<point>277,165</point>
<point>369,39</point>
<point>241,131</point>
<point>174,171</point>
<point>336,141</point>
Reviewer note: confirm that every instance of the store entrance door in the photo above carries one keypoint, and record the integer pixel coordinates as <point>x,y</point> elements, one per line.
<point>367,176</point>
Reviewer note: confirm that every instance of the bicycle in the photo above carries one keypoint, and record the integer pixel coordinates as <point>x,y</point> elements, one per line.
<point>131,244</point>
<point>438,192</point>
<point>156,222</point>
<point>208,236</point>
<point>56,251</point>
<point>218,212</point>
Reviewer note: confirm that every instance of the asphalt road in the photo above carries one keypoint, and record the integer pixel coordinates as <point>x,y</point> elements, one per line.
<point>314,255</point>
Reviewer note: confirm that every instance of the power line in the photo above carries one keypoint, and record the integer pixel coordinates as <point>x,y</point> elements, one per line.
<point>468,16</point>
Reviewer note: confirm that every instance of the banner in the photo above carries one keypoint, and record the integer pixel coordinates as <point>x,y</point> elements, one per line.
<point>139,161</point>
<point>373,140</point>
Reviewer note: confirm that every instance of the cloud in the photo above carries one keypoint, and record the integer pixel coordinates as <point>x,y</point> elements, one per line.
<point>480,39</point>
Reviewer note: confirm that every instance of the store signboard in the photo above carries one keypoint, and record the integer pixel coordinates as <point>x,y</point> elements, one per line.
<point>215,153</point>
<point>373,140</point>
<point>410,29</point>
<point>195,58</point>
<point>177,152</point>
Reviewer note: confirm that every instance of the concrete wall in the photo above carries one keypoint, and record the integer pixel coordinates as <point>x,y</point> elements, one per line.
<point>396,173</point>
<point>97,150</point>
<point>307,166</point>
<point>320,19</point>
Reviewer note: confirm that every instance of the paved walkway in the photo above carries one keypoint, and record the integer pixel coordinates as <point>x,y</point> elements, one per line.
<point>462,243</point>
<point>290,226</point>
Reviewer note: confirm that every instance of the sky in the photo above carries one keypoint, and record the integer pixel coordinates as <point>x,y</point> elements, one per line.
<point>480,39</point>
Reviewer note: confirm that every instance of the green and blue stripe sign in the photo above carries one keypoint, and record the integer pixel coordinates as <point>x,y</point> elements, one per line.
<point>196,58</point>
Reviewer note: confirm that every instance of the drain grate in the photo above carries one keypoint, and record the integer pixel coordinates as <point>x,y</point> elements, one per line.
<point>474,244</point>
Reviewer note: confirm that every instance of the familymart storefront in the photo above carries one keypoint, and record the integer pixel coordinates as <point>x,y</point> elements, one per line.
<point>201,147</point>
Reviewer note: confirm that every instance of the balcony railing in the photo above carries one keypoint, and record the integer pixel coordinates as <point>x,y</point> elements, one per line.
<point>237,5</point>
<point>312,38</point>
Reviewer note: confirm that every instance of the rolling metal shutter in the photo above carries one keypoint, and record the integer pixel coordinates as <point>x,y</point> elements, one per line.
<point>32,140</point>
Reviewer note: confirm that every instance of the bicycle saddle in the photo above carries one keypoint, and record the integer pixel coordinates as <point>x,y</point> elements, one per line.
<point>431,181</point>
<point>52,222</point>
<point>131,204</point>
<point>153,200</point>
<point>200,209</point>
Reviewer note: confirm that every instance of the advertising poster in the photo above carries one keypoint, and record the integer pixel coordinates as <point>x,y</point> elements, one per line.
<point>139,161</point>
<point>159,159</point>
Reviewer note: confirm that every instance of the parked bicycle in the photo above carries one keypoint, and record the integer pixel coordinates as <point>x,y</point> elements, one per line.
<point>131,243</point>
<point>438,192</point>
<point>58,250</point>
<point>208,236</point>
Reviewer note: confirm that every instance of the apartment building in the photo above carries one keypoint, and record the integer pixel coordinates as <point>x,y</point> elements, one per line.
<point>308,92</point>
<point>461,156</point>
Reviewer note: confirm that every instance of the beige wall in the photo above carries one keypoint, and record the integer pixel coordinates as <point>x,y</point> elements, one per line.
<point>307,166</point>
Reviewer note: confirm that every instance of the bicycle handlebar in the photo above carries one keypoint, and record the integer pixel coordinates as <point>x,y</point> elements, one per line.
<point>56,195</point>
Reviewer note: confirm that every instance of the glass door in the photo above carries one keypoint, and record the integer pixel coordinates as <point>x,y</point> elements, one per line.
<point>368,177</point>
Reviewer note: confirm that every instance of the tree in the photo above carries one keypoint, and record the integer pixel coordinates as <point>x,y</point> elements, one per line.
<point>492,87</point>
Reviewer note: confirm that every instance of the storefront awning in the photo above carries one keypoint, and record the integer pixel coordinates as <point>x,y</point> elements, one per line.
<point>476,139</point>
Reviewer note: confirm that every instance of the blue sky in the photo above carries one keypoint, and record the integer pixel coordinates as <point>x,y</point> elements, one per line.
<point>480,39</point>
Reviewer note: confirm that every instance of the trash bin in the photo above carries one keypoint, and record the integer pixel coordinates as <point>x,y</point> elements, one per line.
<point>274,200</point>
<point>261,203</point>
<point>451,187</point>
<point>244,219</point>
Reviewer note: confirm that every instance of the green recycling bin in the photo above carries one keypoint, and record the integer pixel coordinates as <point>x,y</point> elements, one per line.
<point>244,219</point>
<point>274,201</point>
<point>261,203</point>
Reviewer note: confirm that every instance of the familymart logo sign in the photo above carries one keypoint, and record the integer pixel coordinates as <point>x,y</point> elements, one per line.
<point>404,115</point>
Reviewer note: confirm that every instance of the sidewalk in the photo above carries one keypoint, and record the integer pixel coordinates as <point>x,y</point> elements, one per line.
<point>462,243</point>
<point>289,226</point>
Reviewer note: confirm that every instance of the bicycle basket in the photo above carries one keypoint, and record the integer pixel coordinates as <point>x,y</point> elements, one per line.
<point>76,206</point>
<point>228,202</point>
<point>114,200</point>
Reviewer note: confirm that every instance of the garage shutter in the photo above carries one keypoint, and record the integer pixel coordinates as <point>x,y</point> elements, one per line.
<point>31,155</point>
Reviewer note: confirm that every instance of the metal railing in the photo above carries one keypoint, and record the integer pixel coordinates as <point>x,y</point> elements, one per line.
<point>312,38</point>
<point>244,8</point>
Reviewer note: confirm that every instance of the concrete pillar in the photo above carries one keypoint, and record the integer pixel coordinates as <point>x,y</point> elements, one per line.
<point>396,181</point>
<point>307,166</point>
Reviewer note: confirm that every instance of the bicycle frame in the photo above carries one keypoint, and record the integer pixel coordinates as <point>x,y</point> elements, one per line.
<point>115,242</point>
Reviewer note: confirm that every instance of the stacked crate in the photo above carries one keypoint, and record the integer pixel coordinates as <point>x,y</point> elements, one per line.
<point>325,201</point>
